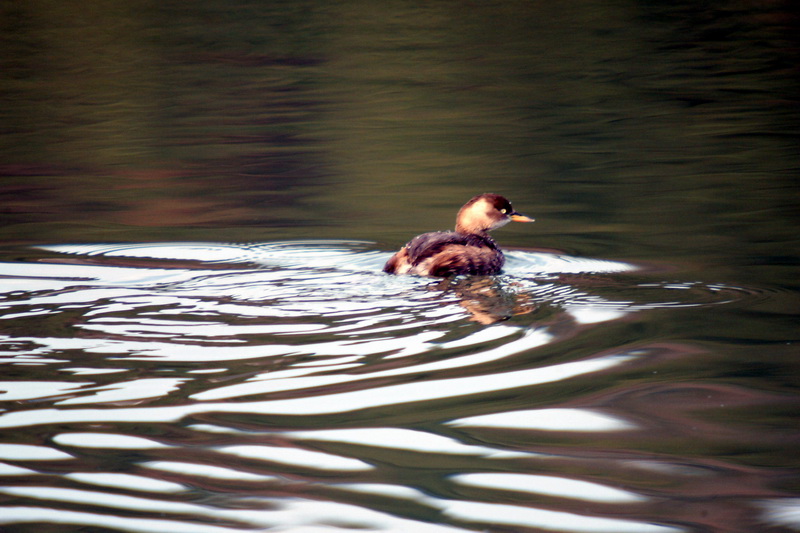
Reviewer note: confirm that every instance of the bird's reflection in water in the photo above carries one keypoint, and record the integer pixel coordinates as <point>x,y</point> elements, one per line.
<point>486,298</point>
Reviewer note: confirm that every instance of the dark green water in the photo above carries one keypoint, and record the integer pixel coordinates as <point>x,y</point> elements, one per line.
<point>640,372</point>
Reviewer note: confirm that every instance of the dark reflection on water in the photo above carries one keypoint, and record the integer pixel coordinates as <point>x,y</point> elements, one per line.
<point>641,375</point>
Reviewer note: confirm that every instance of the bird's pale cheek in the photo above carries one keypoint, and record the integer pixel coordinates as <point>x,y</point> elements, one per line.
<point>501,222</point>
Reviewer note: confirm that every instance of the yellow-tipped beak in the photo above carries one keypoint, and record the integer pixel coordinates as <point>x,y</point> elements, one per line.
<point>516,217</point>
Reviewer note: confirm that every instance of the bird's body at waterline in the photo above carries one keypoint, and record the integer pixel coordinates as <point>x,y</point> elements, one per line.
<point>467,250</point>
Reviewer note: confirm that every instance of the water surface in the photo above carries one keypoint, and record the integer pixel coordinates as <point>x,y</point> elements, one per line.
<point>196,202</point>
<point>288,384</point>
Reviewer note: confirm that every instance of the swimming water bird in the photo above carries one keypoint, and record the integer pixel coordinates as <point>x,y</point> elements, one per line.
<point>467,250</point>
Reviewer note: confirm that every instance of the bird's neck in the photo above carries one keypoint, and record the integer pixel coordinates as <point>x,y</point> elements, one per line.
<point>462,227</point>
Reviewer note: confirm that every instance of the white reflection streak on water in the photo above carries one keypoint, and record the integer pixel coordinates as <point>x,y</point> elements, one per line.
<point>296,457</point>
<point>43,276</point>
<point>288,253</point>
<point>338,362</point>
<point>126,481</point>
<point>548,420</point>
<point>326,404</point>
<point>27,390</point>
<point>11,470</point>
<point>207,471</point>
<point>138,389</point>
<point>85,371</point>
<point>386,489</point>
<point>550,486</point>
<point>398,438</point>
<point>169,328</point>
<point>31,452</point>
<point>782,512</point>
<point>592,315</point>
<point>107,440</point>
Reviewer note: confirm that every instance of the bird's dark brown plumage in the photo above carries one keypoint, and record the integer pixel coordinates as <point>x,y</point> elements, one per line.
<point>468,250</point>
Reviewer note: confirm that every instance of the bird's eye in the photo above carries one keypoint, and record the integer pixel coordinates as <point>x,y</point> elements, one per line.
<point>504,210</point>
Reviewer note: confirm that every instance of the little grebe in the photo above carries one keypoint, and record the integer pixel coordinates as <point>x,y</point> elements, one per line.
<point>467,250</point>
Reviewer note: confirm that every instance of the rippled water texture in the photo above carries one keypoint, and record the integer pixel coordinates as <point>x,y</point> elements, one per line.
<point>286,385</point>
<point>634,368</point>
